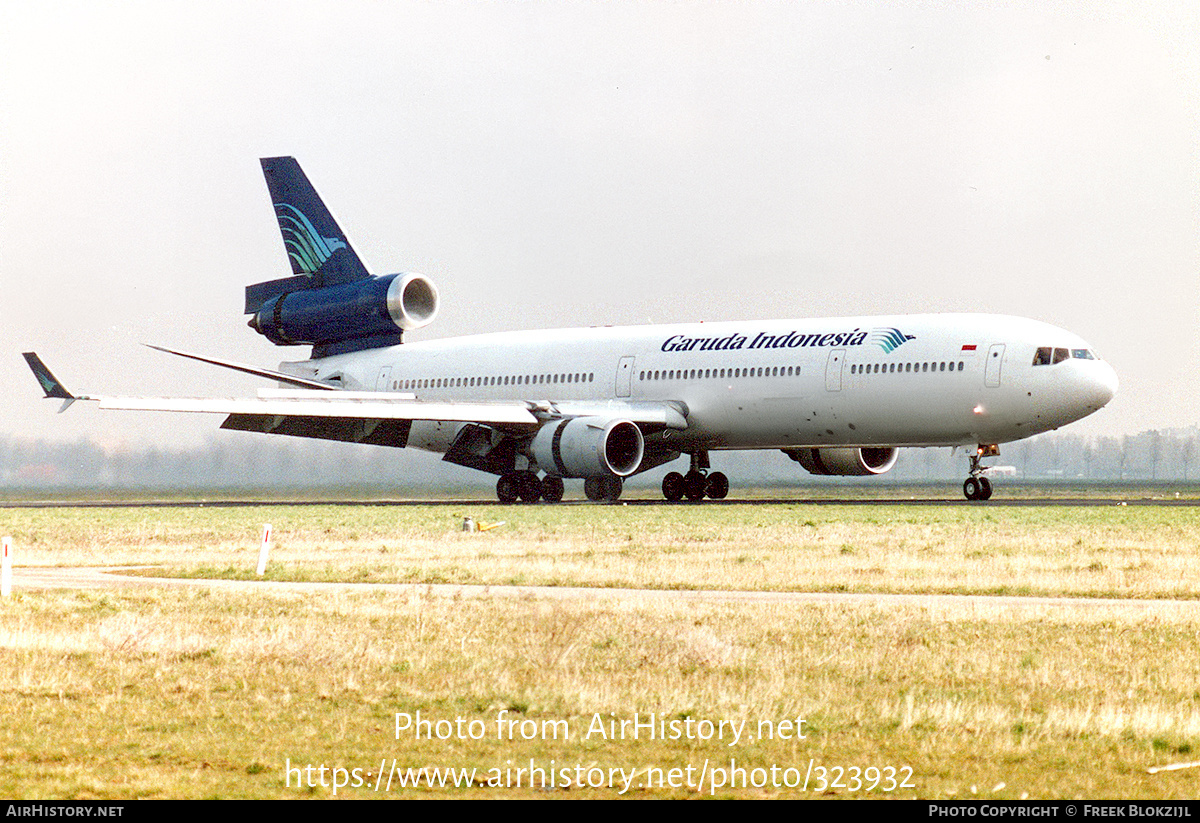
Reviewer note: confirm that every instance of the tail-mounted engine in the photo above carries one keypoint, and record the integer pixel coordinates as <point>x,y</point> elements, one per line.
<point>588,447</point>
<point>845,462</point>
<point>364,314</point>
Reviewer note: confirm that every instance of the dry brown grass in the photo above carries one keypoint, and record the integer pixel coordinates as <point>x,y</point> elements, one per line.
<point>195,692</point>
<point>1145,552</point>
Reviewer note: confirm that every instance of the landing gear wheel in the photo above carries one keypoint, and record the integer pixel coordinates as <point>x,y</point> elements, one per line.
<point>673,487</point>
<point>693,485</point>
<point>507,487</point>
<point>606,488</point>
<point>591,488</point>
<point>610,488</point>
<point>971,488</point>
<point>717,486</point>
<point>985,489</point>
<point>529,487</point>
<point>977,488</point>
<point>552,489</point>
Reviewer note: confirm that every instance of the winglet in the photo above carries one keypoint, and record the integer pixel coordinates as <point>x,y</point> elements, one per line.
<point>51,385</point>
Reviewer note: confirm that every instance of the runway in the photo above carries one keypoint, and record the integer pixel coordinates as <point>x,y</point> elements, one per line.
<point>1002,503</point>
<point>111,577</point>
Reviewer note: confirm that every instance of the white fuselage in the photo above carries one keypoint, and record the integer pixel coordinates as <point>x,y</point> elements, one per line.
<point>914,380</point>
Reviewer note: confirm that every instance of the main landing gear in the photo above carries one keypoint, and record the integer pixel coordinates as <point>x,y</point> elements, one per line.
<point>606,488</point>
<point>527,487</point>
<point>977,486</point>
<point>697,484</point>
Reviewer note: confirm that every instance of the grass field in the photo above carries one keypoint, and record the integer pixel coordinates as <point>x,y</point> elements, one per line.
<point>199,692</point>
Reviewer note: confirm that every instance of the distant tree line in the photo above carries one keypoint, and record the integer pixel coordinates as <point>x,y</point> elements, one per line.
<point>1168,455</point>
<point>233,461</point>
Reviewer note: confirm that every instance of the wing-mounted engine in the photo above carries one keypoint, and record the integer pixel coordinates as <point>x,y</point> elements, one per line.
<point>845,462</point>
<point>588,447</point>
<point>364,314</point>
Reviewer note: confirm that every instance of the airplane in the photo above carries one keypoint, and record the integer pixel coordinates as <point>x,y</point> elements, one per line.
<point>840,396</point>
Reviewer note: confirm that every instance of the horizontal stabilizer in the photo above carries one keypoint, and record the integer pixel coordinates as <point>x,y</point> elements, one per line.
<point>260,293</point>
<point>289,379</point>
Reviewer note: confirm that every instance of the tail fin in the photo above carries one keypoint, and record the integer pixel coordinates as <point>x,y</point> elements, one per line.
<point>319,252</point>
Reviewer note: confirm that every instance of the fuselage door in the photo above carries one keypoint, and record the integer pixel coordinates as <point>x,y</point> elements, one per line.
<point>833,370</point>
<point>625,377</point>
<point>995,359</point>
<point>381,384</point>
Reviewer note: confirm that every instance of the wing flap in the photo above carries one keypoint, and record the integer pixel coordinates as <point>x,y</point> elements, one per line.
<point>346,429</point>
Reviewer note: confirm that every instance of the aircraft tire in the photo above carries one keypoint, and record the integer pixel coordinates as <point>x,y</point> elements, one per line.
<point>673,487</point>
<point>529,487</point>
<point>610,488</point>
<point>507,488</point>
<point>591,489</point>
<point>552,489</point>
<point>694,485</point>
<point>971,488</point>
<point>717,486</point>
<point>985,489</point>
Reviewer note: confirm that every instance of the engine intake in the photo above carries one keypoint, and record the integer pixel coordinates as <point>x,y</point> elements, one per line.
<point>412,300</point>
<point>588,447</point>
<point>845,462</point>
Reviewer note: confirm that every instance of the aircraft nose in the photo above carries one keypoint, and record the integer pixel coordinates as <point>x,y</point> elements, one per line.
<point>1103,384</point>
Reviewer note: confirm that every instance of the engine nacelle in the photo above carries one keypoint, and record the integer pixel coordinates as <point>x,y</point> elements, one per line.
<point>845,462</point>
<point>378,307</point>
<point>588,447</point>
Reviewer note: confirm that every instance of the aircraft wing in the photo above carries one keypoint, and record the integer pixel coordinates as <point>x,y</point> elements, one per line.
<point>320,404</point>
<point>354,415</point>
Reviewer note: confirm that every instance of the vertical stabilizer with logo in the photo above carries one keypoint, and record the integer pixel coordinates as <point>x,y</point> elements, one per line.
<point>331,301</point>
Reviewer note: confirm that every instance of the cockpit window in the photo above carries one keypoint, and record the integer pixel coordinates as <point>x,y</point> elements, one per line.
<point>1046,355</point>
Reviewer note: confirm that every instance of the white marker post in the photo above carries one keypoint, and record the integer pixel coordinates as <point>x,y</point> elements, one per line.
<point>6,569</point>
<point>266,547</point>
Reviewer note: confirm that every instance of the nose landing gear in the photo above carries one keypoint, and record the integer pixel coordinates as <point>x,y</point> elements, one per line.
<point>977,486</point>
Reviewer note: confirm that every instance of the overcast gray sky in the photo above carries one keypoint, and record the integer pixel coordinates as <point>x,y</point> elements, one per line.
<point>561,164</point>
